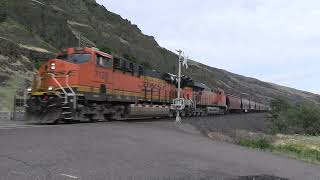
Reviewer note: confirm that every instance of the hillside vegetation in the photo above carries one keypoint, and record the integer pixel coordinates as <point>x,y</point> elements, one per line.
<point>35,29</point>
<point>301,119</point>
<point>296,129</point>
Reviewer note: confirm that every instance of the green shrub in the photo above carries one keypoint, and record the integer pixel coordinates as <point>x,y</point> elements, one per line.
<point>105,48</point>
<point>260,143</point>
<point>38,64</point>
<point>146,64</point>
<point>295,119</point>
<point>130,58</point>
<point>3,17</point>
<point>135,60</point>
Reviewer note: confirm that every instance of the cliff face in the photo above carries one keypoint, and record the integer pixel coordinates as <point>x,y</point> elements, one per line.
<point>31,30</point>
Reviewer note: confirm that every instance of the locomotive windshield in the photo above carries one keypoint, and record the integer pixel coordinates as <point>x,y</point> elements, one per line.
<point>75,58</point>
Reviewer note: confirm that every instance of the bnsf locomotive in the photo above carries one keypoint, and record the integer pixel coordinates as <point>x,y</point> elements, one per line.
<point>85,84</point>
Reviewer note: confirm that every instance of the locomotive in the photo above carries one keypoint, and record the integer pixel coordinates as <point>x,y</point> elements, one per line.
<point>86,84</point>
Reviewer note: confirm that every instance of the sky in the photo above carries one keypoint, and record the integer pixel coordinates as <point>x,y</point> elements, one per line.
<point>273,40</point>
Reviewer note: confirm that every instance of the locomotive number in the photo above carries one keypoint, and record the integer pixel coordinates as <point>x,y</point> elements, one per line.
<point>153,85</point>
<point>102,75</point>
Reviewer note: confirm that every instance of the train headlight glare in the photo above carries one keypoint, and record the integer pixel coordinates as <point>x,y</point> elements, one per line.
<point>50,88</point>
<point>53,66</point>
<point>29,89</point>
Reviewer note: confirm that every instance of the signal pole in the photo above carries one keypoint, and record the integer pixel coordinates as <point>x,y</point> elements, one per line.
<point>178,118</point>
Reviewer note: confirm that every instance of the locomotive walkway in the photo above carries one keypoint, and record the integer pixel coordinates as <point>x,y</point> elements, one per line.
<point>133,150</point>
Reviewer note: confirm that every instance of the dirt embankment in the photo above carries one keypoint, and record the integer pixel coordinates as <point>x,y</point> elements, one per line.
<point>230,127</point>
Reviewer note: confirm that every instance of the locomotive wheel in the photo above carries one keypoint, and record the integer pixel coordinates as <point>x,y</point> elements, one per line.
<point>90,117</point>
<point>183,114</point>
<point>118,115</point>
<point>107,117</point>
<point>68,121</point>
<point>203,114</point>
<point>57,121</point>
<point>171,114</point>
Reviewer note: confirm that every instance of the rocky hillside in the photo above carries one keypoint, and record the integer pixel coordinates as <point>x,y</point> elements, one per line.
<point>32,30</point>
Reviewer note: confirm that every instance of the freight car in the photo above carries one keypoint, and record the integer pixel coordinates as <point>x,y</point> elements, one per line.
<point>252,106</point>
<point>85,84</point>
<point>233,103</point>
<point>209,101</point>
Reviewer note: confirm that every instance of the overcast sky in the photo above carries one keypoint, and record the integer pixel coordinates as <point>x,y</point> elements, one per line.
<point>272,40</point>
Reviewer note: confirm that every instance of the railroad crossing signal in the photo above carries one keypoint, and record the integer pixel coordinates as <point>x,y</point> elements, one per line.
<point>183,60</point>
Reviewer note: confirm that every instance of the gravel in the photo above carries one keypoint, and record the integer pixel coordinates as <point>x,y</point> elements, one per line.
<point>4,116</point>
<point>229,124</point>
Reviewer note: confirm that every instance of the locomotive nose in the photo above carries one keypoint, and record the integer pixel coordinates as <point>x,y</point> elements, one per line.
<point>55,65</point>
<point>52,66</point>
<point>57,73</point>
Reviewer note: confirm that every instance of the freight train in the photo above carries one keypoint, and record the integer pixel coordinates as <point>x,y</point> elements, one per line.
<point>85,84</point>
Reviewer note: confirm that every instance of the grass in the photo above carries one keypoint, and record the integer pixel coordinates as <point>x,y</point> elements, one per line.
<point>305,148</point>
<point>298,152</point>
<point>260,143</point>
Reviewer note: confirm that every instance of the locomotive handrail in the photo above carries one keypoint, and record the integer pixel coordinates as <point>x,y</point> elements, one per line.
<point>60,86</point>
<point>73,93</point>
<point>38,79</point>
<point>25,97</point>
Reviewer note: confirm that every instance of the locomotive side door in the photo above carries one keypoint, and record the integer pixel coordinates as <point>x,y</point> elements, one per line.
<point>102,74</point>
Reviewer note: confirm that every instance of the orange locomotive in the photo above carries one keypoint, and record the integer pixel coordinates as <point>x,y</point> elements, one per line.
<point>85,84</point>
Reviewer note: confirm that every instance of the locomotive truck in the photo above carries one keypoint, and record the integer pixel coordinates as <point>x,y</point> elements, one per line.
<point>85,84</point>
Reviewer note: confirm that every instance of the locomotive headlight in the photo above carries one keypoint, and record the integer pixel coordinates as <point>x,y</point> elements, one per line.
<point>50,88</point>
<point>52,66</point>
<point>29,89</point>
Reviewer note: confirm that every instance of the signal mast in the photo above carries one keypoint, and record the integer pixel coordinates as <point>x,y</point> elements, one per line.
<point>179,102</point>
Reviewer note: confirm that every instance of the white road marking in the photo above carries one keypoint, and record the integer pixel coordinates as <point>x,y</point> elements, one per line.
<point>19,173</point>
<point>70,176</point>
<point>20,126</point>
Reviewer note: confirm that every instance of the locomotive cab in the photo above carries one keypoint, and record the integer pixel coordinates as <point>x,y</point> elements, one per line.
<point>85,84</point>
<point>61,81</point>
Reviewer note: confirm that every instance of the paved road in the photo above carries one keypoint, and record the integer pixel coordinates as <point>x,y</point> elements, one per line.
<point>134,150</point>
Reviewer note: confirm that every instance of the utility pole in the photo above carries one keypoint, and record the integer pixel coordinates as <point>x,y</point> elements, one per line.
<point>178,118</point>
